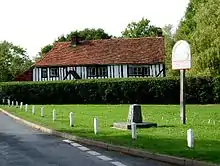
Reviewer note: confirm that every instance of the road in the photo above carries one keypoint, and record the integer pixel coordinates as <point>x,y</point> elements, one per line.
<point>24,146</point>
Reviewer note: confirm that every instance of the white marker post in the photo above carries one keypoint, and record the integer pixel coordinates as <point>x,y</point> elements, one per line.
<point>71,119</point>
<point>133,130</point>
<point>182,60</point>
<point>42,112</point>
<point>96,125</point>
<point>33,110</point>
<point>16,104</point>
<point>54,115</point>
<point>21,105</point>
<point>26,107</point>
<point>190,138</point>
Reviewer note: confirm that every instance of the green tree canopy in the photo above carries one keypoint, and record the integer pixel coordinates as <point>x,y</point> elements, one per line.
<point>169,43</point>
<point>141,28</point>
<point>13,61</point>
<point>44,50</point>
<point>87,34</point>
<point>188,24</point>
<point>206,38</point>
<point>200,27</point>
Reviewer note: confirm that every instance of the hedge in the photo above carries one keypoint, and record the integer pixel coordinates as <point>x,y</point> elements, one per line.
<point>199,90</point>
<point>216,90</point>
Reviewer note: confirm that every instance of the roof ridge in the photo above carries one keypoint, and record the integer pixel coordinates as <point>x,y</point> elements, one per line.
<point>136,38</point>
<point>126,38</point>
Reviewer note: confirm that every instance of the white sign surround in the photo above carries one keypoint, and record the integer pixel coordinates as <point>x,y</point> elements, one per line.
<point>181,56</point>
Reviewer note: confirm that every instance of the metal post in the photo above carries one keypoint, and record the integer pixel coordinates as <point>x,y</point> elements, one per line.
<point>182,97</point>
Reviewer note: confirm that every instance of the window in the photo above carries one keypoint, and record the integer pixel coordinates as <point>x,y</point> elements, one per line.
<point>97,71</point>
<point>91,71</point>
<point>138,71</point>
<point>54,72</point>
<point>146,71</point>
<point>102,72</point>
<point>43,72</point>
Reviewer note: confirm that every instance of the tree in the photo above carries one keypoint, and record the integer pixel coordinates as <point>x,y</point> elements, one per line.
<point>206,38</point>
<point>87,34</point>
<point>169,43</point>
<point>200,28</point>
<point>141,28</point>
<point>44,50</point>
<point>13,61</point>
<point>188,24</point>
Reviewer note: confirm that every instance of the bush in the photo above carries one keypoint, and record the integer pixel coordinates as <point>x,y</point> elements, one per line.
<point>199,90</point>
<point>216,89</point>
<point>164,90</point>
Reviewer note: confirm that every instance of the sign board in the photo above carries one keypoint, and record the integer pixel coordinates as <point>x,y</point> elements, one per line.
<point>181,56</point>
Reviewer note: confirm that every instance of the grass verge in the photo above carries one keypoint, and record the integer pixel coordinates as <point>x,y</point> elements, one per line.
<point>169,138</point>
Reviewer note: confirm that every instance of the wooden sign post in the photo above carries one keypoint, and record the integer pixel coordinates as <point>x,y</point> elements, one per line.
<point>182,60</point>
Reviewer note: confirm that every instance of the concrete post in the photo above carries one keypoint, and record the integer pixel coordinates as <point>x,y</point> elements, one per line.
<point>96,125</point>
<point>133,130</point>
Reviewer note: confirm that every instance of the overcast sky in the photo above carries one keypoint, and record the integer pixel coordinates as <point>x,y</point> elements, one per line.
<point>33,24</point>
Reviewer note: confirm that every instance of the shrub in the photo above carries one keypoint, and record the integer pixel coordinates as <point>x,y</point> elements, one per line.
<point>163,90</point>
<point>216,89</point>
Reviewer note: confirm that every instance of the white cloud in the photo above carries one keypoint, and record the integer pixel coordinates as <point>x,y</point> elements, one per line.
<point>36,23</point>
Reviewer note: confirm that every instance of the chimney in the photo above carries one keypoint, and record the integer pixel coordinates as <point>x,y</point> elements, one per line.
<point>160,32</point>
<point>76,40</point>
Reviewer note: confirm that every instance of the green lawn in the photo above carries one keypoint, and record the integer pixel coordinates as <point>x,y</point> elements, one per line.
<point>169,138</point>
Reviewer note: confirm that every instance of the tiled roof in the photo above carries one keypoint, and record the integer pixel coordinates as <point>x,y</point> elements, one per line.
<point>147,50</point>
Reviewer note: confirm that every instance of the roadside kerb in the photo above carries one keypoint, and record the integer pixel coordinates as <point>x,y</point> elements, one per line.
<point>122,149</point>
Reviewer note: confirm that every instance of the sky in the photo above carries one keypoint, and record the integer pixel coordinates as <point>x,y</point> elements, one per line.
<point>32,24</point>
